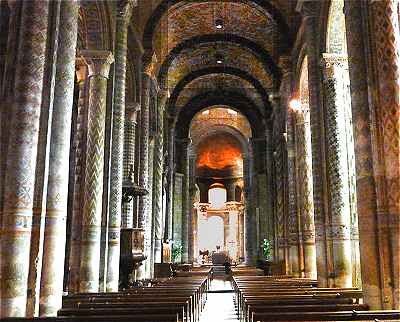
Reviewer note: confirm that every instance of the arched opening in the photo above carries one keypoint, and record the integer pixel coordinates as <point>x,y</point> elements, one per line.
<point>219,172</point>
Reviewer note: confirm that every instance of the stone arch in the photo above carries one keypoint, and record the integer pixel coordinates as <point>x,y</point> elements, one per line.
<point>238,102</point>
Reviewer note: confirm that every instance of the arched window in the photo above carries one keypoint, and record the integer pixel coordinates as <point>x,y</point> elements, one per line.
<point>217,196</point>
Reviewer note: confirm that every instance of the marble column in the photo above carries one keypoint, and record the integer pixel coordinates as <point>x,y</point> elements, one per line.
<point>51,286</point>
<point>250,247</point>
<point>385,16</point>
<point>79,178</point>
<point>311,17</point>
<point>363,139</point>
<point>186,208</point>
<point>131,113</point>
<point>158,179</point>
<point>232,240</point>
<point>336,89</point>
<point>99,63</point>
<point>270,194</point>
<point>304,164</point>
<point>117,146</point>
<point>19,178</point>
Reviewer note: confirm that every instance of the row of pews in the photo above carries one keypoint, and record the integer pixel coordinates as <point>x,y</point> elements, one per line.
<point>178,299</point>
<point>281,298</point>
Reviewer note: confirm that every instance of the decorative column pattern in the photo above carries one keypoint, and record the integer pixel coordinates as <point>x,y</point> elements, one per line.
<point>249,215</point>
<point>336,87</point>
<point>79,179</point>
<point>310,12</point>
<point>280,216</point>
<point>158,179</point>
<point>51,287</point>
<point>304,164</point>
<point>117,145</point>
<point>293,234</point>
<point>170,179</point>
<point>385,15</point>
<point>99,66</point>
<point>186,209</point>
<point>366,185</point>
<point>131,111</point>
<point>20,168</point>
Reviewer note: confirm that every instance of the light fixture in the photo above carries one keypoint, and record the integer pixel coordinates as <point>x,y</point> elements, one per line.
<point>219,59</point>
<point>295,104</point>
<point>219,24</point>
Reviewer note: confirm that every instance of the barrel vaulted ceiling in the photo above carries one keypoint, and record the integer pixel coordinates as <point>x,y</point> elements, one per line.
<point>220,46</point>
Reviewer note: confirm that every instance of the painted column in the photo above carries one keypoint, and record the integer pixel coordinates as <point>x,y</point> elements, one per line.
<point>186,209</point>
<point>270,199</point>
<point>293,234</point>
<point>371,260</point>
<point>57,188</point>
<point>250,247</point>
<point>99,63</point>
<point>21,159</point>
<point>335,75</point>
<point>131,112</point>
<point>311,17</point>
<point>306,205</point>
<point>117,145</point>
<point>158,179</point>
<point>385,16</point>
<point>170,179</point>
<point>79,179</point>
<point>233,217</point>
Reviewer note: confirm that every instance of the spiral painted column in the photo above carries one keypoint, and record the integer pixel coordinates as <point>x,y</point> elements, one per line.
<point>158,179</point>
<point>99,66</point>
<point>335,75</point>
<point>117,146</point>
<point>79,179</point>
<point>21,159</point>
<point>51,286</point>
<point>306,192</point>
<point>131,111</point>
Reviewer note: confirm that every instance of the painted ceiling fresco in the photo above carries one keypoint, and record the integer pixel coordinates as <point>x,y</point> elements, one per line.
<point>196,40</point>
<point>219,155</point>
<point>205,55</point>
<point>211,82</point>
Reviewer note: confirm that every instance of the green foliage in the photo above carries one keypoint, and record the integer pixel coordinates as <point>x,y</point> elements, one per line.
<point>176,252</point>
<point>267,249</point>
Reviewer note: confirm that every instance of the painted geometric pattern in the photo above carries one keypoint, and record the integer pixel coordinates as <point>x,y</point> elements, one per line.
<point>193,19</point>
<point>204,55</point>
<point>212,82</point>
<point>388,57</point>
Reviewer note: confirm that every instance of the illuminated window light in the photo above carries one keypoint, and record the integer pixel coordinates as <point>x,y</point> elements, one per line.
<point>219,24</point>
<point>206,112</point>
<point>295,105</point>
<point>232,112</point>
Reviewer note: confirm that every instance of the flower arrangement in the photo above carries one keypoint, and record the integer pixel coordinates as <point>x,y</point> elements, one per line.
<point>266,248</point>
<point>176,252</point>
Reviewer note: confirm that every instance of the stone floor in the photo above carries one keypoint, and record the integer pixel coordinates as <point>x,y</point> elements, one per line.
<point>220,304</point>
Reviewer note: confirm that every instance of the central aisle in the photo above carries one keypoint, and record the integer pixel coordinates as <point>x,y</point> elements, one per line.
<point>220,304</point>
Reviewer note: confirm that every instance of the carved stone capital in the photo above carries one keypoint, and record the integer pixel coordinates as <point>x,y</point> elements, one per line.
<point>80,69</point>
<point>124,10</point>
<point>98,61</point>
<point>150,63</point>
<point>131,109</point>
<point>333,62</point>
<point>285,64</point>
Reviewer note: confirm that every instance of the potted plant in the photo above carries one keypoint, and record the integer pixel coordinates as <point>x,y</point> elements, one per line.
<point>176,252</point>
<point>266,263</point>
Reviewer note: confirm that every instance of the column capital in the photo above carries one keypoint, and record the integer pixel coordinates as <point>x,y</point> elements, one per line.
<point>124,10</point>
<point>149,64</point>
<point>131,109</point>
<point>80,69</point>
<point>332,62</point>
<point>98,61</point>
<point>285,64</point>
